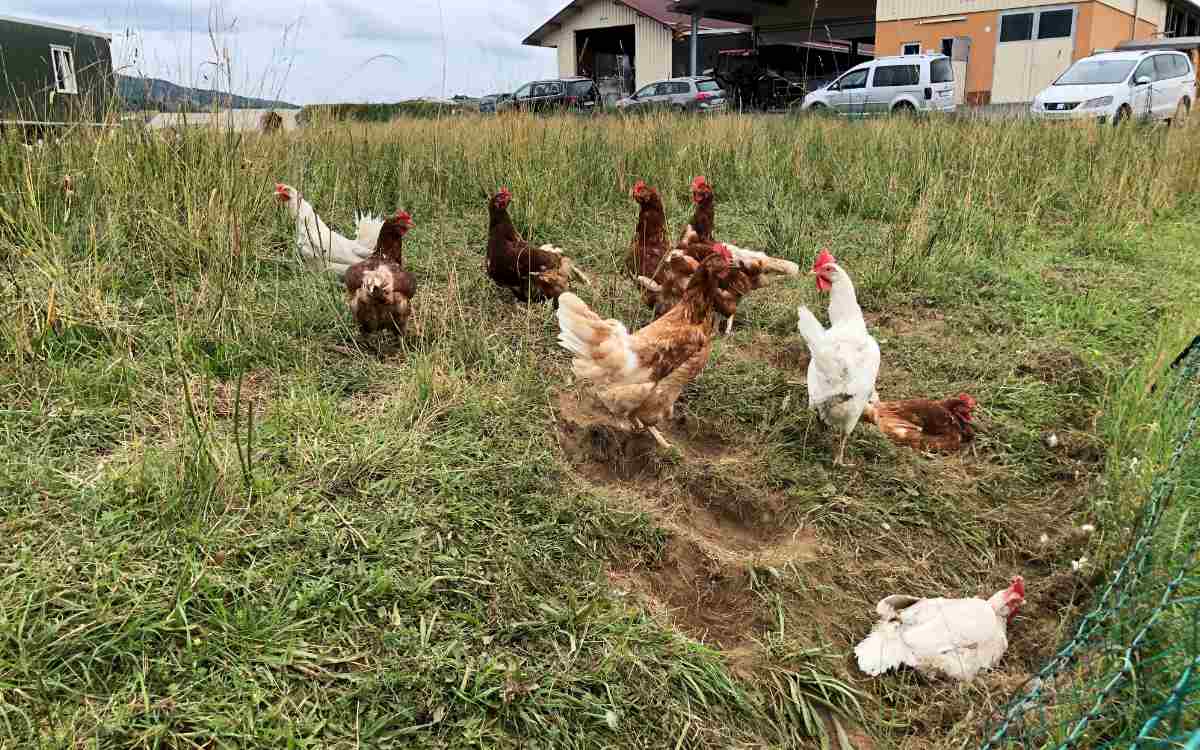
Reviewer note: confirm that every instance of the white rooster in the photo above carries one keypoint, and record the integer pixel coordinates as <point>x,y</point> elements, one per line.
<point>320,244</point>
<point>955,637</point>
<point>845,358</point>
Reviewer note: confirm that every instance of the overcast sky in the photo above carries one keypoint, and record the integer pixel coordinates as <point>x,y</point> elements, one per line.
<point>309,51</point>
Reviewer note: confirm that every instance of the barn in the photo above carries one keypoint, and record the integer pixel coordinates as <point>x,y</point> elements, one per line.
<point>54,73</point>
<point>626,44</point>
<point>1005,50</point>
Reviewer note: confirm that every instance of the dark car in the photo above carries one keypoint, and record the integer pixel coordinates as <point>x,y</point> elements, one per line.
<point>556,95</point>
<point>493,102</point>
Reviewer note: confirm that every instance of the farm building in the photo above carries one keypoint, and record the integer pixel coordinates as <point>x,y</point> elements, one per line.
<point>631,42</point>
<point>1005,50</point>
<point>53,73</point>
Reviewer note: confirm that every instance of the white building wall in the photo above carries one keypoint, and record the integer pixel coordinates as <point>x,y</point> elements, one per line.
<point>653,53</point>
<point>1154,11</point>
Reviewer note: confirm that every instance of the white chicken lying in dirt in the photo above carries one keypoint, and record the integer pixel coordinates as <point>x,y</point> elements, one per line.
<point>954,637</point>
<point>845,358</point>
<point>320,244</point>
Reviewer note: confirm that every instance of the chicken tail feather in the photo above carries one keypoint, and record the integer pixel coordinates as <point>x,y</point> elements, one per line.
<point>602,348</point>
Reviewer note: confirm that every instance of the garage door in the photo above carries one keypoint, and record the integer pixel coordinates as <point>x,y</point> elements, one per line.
<point>1035,47</point>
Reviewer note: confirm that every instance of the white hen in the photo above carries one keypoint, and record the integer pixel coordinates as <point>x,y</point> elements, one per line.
<point>320,244</point>
<point>955,637</point>
<point>845,358</point>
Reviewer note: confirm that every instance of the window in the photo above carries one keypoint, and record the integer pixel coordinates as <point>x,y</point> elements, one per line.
<point>1016,27</point>
<point>663,89</point>
<point>911,48</point>
<point>1055,24</point>
<point>580,88</point>
<point>948,46</point>
<point>646,91</point>
<point>941,71</point>
<point>63,63</point>
<point>1145,69</point>
<point>1163,69</point>
<point>897,75</point>
<point>523,92</point>
<point>709,85</point>
<point>680,87</point>
<point>855,79</point>
<point>1088,72</point>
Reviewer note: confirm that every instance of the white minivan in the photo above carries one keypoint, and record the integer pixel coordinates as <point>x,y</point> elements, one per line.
<point>1115,86</point>
<point>907,83</point>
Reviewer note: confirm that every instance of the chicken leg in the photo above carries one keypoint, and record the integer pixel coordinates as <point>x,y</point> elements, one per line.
<point>840,458</point>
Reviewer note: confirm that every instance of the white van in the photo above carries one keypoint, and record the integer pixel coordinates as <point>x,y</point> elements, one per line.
<point>1114,86</point>
<point>906,83</point>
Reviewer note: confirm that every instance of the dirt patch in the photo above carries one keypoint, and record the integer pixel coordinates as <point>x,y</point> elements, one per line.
<point>695,593</point>
<point>908,321</point>
<point>222,397</point>
<point>609,446</point>
<point>1062,368</point>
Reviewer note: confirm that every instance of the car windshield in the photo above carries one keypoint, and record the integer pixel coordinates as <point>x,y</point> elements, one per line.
<point>1086,72</point>
<point>708,86</point>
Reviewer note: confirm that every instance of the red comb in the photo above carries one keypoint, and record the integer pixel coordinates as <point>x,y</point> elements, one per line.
<point>699,183</point>
<point>405,218</point>
<point>824,258</point>
<point>1018,586</point>
<point>639,185</point>
<point>505,191</point>
<point>723,251</point>
<point>280,187</point>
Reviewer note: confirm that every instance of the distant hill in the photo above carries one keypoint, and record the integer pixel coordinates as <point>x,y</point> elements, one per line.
<point>157,94</point>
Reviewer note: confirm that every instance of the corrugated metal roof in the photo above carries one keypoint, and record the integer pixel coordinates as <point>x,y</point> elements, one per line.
<point>660,10</point>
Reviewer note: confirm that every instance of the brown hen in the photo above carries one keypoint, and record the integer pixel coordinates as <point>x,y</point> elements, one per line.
<point>925,425</point>
<point>378,289</point>
<point>532,274</point>
<point>639,376</point>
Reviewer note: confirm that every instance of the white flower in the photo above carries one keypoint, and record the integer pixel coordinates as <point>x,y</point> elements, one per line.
<point>1078,565</point>
<point>1087,528</point>
<point>1044,539</point>
<point>887,527</point>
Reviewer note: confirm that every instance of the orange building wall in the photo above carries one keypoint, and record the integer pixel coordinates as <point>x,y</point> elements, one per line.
<point>1098,26</point>
<point>891,36</point>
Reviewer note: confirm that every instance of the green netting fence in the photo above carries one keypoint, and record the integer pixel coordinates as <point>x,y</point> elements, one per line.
<point>1129,676</point>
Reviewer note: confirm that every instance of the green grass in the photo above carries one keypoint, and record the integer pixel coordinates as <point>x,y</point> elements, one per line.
<point>229,522</point>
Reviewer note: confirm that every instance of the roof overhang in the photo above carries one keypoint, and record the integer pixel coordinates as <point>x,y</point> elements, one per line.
<point>57,27</point>
<point>1179,42</point>
<point>737,11</point>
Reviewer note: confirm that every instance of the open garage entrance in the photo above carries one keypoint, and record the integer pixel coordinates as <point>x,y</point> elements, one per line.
<point>608,56</point>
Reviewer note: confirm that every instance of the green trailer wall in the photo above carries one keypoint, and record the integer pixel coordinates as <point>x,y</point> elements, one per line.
<point>27,90</point>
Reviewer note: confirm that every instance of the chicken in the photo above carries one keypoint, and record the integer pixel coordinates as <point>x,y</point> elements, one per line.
<point>701,227</point>
<point>639,376</point>
<point>925,425</point>
<point>320,244</point>
<point>697,241</point>
<point>650,245</point>
<point>378,289</point>
<point>670,283</point>
<point>845,358</point>
<point>531,274</point>
<point>955,637</point>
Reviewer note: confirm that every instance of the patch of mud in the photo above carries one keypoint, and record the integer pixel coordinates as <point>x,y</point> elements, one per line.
<point>908,321</point>
<point>611,448</point>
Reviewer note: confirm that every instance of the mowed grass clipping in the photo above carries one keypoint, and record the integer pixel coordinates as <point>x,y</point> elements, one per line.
<point>230,521</point>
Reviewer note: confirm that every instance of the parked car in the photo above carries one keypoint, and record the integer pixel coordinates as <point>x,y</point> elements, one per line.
<point>579,94</point>
<point>1115,86</point>
<point>905,83</point>
<point>699,94</point>
<point>493,103</point>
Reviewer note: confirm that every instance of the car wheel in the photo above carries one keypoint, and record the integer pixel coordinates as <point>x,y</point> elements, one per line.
<point>1122,115</point>
<point>818,109</point>
<point>1181,113</point>
<point>904,108</point>
<point>678,109</point>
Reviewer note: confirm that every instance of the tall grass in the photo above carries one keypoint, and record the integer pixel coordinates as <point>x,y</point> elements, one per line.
<point>233,520</point>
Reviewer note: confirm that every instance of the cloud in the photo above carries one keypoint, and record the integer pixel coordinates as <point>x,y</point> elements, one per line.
<point>308,51</point>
